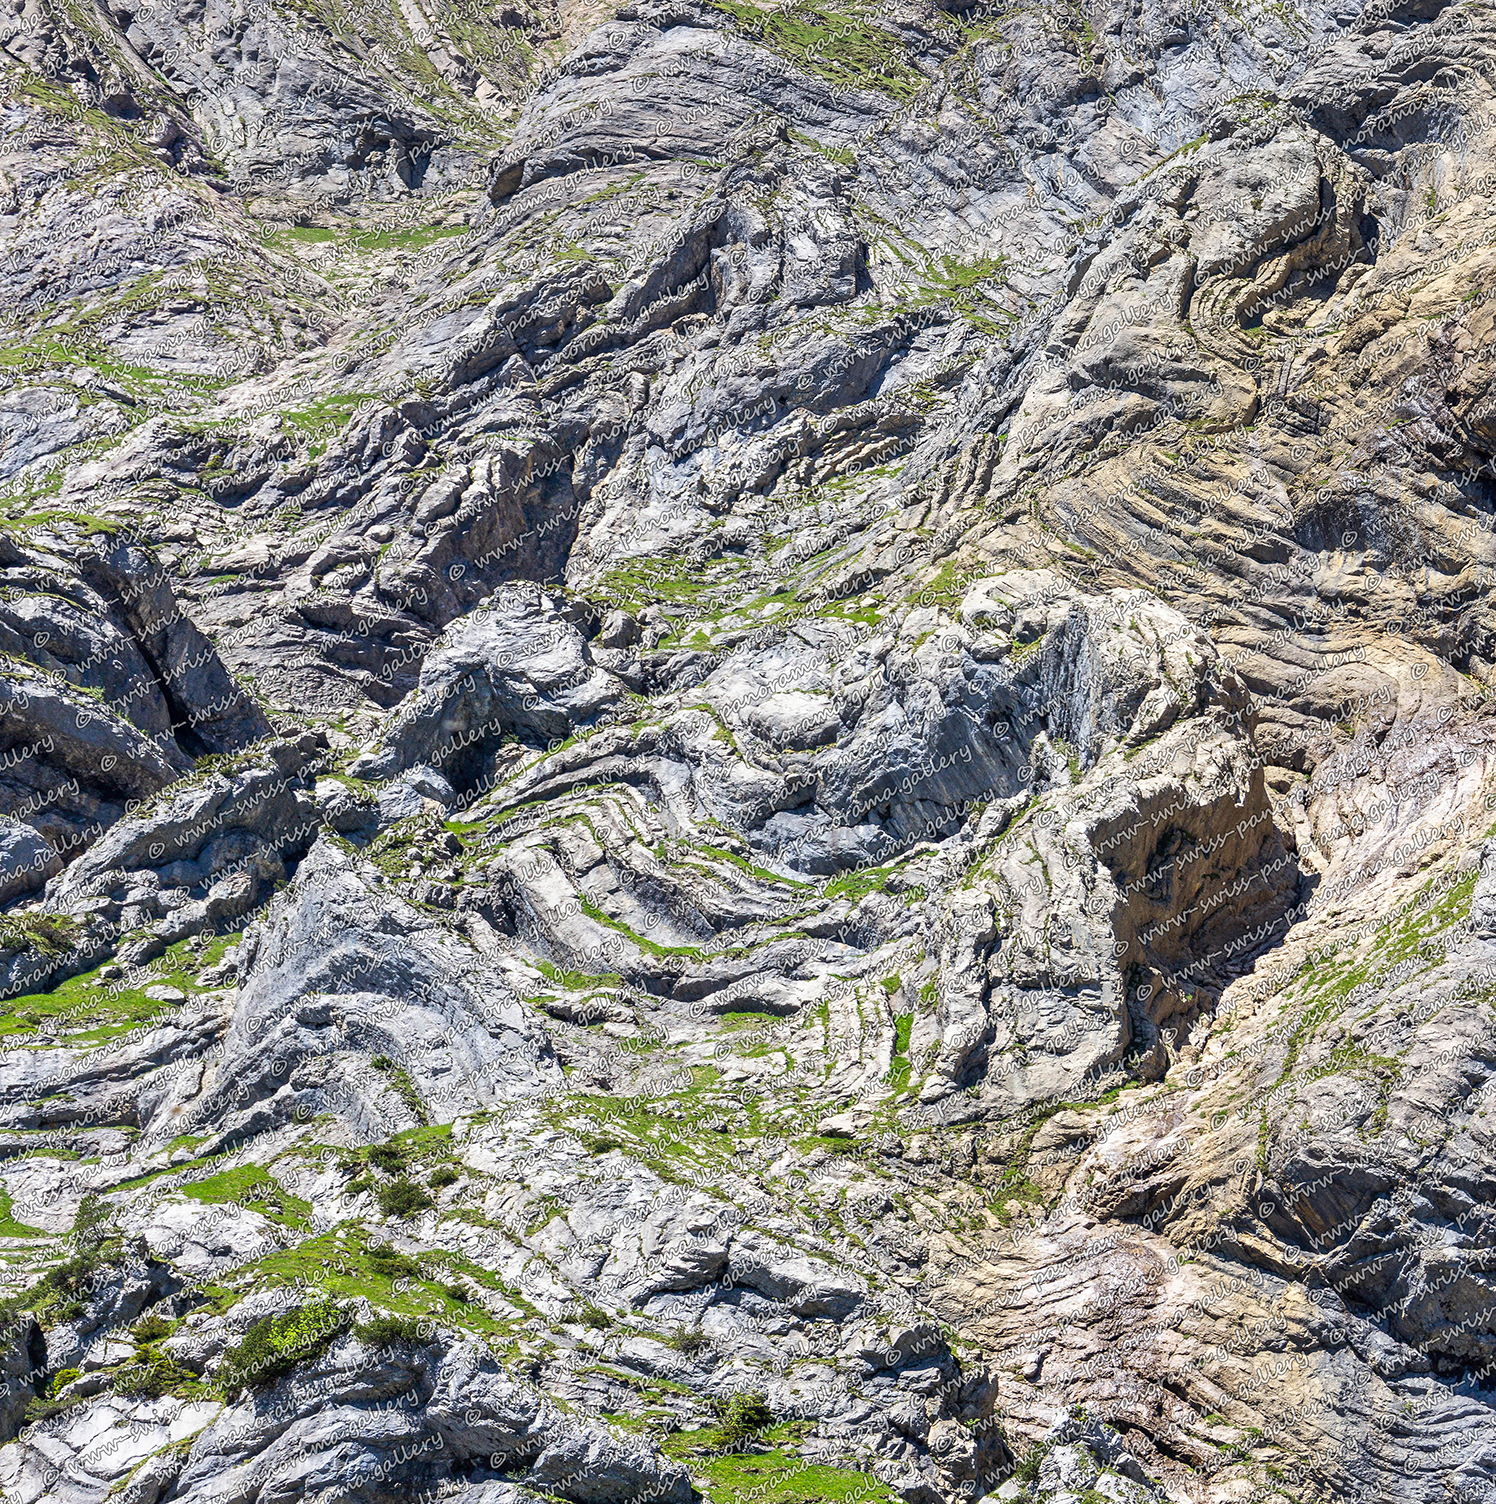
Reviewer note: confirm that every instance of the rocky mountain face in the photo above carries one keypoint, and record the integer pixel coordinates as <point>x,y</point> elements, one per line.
<point>746,752</point>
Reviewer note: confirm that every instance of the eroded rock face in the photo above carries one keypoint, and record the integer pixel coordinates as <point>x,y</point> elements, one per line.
<point>745,751</point>
<point>338,972</point>
<point>514,667</point>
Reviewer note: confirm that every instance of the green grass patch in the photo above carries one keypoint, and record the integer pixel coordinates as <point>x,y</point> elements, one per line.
<point>328,414</point>
<point>256,1190</point>
<point>345,1266</point>
<point>834,46</point>
<point>857,885</point>
<point>899,1067</point>
<point>86,1010</point>
<point>578,981</point>
<point>9,1227</point>
<point>770,1471</point>
<point>404,1087</point>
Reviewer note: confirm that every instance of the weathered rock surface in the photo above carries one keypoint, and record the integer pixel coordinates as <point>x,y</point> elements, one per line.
<point>745,753</point>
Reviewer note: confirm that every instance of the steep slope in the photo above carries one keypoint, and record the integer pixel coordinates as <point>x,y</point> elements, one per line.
<point>746,752</point>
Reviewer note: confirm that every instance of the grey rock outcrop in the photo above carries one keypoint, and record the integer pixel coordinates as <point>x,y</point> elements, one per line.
<point>739,728</point>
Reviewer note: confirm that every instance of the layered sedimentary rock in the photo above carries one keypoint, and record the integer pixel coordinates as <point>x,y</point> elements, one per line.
<point>744,753</point>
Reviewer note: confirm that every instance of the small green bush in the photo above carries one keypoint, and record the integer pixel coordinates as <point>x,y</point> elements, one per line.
<point>38,1409</point>
<point>393,1264</point>
<point>151,1328</point>
<point>742,1417</point>
<point>1027,1470</point>
<point>446,1175</point>
<point>151,1375</point>
<point>593,1316</point>
<point>387,1157</point>
<point>401,1198</point>
<point>688,1340</point>
<point>382,1331</point>
<point>51,934</point>
<point>93,1225</point>
<point>274,1345</point>
<point>59,1295</point>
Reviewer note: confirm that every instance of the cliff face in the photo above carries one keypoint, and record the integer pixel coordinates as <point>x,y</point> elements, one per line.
<point>746,752</point>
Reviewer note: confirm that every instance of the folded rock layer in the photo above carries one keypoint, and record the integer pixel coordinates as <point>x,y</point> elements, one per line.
<point>745,752</point>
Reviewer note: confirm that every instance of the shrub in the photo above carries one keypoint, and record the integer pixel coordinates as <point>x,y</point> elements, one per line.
<point>274,1345</point>
<point>1027,1470</point>
<point>151,1375</point>
<point>401,1198</point>
<point>689,1340</point>
<point>73,1276</point>
<point>743,1417</point>
<point>151,1328</point>
<point>446,1175</point>
<point>51,934</point>
<point>393,1264</point>
<point>387,1157</point>
<point>382,1331</point>
<point>593,1316</point>
<point>93,1224</point>
<point>60,1293</point>
<point>460,1293</point>
<point>38,1409</point>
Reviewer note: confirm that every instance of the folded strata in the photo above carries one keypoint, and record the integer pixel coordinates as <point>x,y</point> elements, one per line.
<point>745,754</point>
